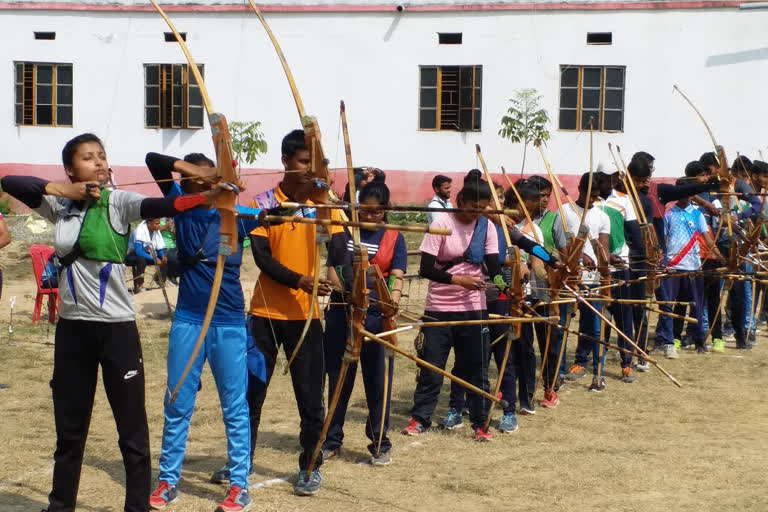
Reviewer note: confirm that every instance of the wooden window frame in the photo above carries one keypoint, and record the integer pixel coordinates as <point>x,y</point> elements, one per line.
<point>600,126</point>
<point>476,108</point>
<point>167,85</point>
<point>55,104</point>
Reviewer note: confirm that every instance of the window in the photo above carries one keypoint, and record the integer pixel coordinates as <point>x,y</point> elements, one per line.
<point>449,37</point>
<point>45,36</point>
<point>171,97</point>
<point>592,92</point>
<point>43,94</point>
<point>171,38</point>
<point>450,98</point>
<point>599,37</point>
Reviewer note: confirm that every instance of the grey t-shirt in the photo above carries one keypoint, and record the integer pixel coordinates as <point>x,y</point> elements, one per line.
<point>92,290</point>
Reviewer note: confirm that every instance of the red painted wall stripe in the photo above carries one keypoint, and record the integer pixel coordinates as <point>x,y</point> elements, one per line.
<point>406,187</point>
<point>362,8</point>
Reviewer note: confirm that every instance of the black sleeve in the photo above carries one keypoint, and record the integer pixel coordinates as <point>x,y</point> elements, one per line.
<point>492,264</point>
<point>154,207</point>
<point>427,269</point>
<point>161,167</point>
<point>27,189</point>
<point>338,255</point>
<point>634,240</point>
<point>668,193</point>
<point>262,255</point>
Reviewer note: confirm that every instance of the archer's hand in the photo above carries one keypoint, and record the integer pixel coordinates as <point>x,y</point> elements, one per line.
<point>587,262</point>
<point>617,260</point>
<point>559,265</point>
<point>75,191</point>
<point>469,282</point>
<point>710,208</point>
<point>525,273</point>
<point>307,284</point>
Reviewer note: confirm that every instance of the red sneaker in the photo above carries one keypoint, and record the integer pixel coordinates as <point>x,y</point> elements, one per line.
<point>483,435</point>
<point>414,428</point>
<point>238,500</point>
<point>550,399</point>
<point>164,495</point>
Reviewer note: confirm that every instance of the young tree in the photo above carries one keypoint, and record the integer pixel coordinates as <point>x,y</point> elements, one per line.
<point>525,121</point>
<point>247,141</point>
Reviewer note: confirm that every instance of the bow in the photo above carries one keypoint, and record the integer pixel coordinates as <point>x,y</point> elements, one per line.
<point>225,202</point>
<point>516,293</point>
<point>358,301</point>
<point>653,254</point>
<point>322,180</point>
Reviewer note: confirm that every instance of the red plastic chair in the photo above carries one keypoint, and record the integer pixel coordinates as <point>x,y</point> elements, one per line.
<point>40,255</point>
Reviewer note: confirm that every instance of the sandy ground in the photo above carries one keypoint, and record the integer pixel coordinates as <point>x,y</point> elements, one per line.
<point>645,446</point>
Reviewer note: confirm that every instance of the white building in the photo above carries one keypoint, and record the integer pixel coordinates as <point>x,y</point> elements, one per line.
<point>99,67</point>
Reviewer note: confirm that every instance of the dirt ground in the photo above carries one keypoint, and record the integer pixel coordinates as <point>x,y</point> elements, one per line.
<point>645,446</point>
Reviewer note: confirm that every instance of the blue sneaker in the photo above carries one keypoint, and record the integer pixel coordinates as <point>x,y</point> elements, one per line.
<point>508,423</point>
<point>238,500</point>
<point>309,487</point>
<point>451,421</point>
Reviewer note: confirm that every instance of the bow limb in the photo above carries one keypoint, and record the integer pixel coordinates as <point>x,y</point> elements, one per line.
<point>283,61</point>
<point>225,201</point>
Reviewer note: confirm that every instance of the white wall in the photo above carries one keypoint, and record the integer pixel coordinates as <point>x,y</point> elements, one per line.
<point>718,57</point>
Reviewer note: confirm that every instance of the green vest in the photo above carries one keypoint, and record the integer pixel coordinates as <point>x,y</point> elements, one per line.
<point>98,240</point>
<point>547,226</point>
<point>616,239</point>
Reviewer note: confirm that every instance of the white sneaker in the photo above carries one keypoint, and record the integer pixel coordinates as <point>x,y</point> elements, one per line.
<point>670,352</point>
<point>643,366</point>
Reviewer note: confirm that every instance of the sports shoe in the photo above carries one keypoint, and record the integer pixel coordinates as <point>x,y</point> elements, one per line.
<point>464,411</point>
<point>744,346</point>
<point>728,331</point>
<point>627,376</point>
<point>309,487</point>
<point>507,425</point>
<point>164,495</point>
<point>221,476</point>
<point>678,344</point>
<point>559,382</point>
<point>702,349</point>
<point>413,428</point>
<point>753,335</point>
<point>330,454</point>
<point>384,459</point>
<point>237,501</point>
<point>483,435</point>
<point>451,421</point>
<point>576,372</point>
<point>550,399</point>
<point>4,386</point>
<point>718,346</point>
<point>598,384</point>
<point>670,352</point>
<point>527,410</point>
<point>643,366</point>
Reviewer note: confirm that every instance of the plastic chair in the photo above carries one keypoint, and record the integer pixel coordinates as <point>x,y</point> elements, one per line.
<point>40,255</point>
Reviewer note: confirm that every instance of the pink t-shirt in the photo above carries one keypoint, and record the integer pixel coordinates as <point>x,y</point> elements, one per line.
<point>451,297</point>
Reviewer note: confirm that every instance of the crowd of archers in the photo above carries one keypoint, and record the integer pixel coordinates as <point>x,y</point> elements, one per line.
<point>503,267</point>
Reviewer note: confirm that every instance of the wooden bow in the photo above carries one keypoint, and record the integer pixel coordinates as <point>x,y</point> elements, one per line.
<point>357,300</point>
<point>515,290</point>
<point>653,253</point>
<point>225,202</point>
<point>322,181</point>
